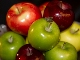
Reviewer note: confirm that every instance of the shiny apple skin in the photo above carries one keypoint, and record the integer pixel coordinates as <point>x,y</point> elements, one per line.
<point>43,35</point>
<point>10,42</point>
<point>62,51</point>
<point>21,15</point>
<point>61,12</point>
<point>27,52</point>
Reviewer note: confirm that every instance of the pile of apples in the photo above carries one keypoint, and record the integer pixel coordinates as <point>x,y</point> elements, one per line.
<point>47,32</point>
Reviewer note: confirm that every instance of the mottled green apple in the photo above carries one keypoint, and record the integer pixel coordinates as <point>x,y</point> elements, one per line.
<point>72,35</point>
<point>43,34</point>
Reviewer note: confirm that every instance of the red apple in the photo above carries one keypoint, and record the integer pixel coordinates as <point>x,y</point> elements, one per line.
<point>21,15</point>
<point>43,6</point>
<point>61,12</point>
<point>27,52</point>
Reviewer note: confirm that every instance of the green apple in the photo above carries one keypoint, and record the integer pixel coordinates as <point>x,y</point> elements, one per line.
<point>72,35</point>
<point>10,42</point>
<point>43,34</point>
<point>27,42</point>
<point>62,51</point>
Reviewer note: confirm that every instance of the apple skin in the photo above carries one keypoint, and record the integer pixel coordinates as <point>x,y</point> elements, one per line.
<point>61,12</point>
<point>21,15</point>
<point>3,29</point>
<point>43,35</point>
<point>62,51</point>
<point>42,7</point>
<point>27,52</point>
<point>10,42</point>
<point>72,35</point>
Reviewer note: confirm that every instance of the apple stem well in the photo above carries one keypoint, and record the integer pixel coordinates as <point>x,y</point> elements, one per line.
<point>29,51</point>
<point>63,47</point>
<point>18,10</point>
<point>74,31</point>
<point>64,6</point>
<point>60,5</point>
<point>10,39</point>
<point>48,19</point>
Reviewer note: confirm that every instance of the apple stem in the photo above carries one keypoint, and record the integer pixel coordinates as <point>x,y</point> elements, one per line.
<point>60,4</point>
<point>63,45</point>
<point>73,32</point>
<point>18,10</point>
<point>48,27</point>
<point>10,39</point>
<point>49,19</point>
<point>29,51</point>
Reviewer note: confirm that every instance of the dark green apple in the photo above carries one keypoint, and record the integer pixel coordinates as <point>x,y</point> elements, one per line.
<point>10,42</point>
<point>62,51</point>
<point>43,34</point>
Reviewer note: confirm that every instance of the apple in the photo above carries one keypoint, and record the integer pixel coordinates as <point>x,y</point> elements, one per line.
<point>61,12</point>
<point>62,51</point>
<point>10,42</point>
<point>72,35</point>
<point>43,34</point>
<point>21,15</point>
<point>27,52</point>
<point>3,29</point>
<point>42,7</point>
<point>27,41</point>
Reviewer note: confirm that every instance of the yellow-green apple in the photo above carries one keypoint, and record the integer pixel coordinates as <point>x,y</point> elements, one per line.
<point>21,15</point>
<point>10,42</point>
<point>62,51</point>
<point>72,35</point>
<point>43,34</point>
